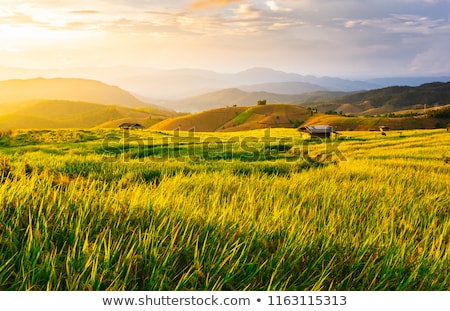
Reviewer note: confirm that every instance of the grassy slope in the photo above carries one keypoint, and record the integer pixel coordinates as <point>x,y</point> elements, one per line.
<point>238,118</point>
<point>68,114</point>
<point>145,121</point>
<point>285,116</point>
<point>206,121</point>
<point>377,221</point>
<point>372,123</point>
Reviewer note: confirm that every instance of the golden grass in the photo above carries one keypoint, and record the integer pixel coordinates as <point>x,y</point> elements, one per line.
<point>377,221</point>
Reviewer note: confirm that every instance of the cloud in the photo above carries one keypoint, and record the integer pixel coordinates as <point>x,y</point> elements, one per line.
<point>165,13</point>
<point>399,23</point>
<point>433,59</point>
<point>275,7</point>
<point>210,4</point>
<point>247,11</point>
<point>17,18</point>
<point>85,12</point>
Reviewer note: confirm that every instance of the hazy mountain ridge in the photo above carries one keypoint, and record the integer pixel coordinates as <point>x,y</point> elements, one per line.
<point>181,83</point>
<point>407,81</point>
<point>286,88</point>
<point>66,88</point>
<point>231,97</point>
<point>69,102</point>
<point>170,84</point>
<point>21,91</point>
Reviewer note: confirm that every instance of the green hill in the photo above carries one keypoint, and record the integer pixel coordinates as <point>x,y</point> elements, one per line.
<point>360,123</point>
<point>386,100</point>
<point>238,118</point>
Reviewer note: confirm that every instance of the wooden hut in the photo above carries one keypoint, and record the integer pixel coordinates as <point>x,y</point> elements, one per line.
<point>317,131</point>
<point>131,126</point>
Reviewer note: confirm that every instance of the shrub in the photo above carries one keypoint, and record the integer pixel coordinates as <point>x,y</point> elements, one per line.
<point>439,113</point>
<point>332,112</point>
<point>5,133</point>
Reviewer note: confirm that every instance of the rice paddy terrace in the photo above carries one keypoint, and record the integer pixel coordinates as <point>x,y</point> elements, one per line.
<point>254,210</point>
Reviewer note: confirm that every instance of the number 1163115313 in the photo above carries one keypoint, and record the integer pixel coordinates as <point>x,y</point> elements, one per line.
<point>307,300</point>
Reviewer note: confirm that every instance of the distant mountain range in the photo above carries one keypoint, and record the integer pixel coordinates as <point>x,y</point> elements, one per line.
<point>181,83</point>
<point>68,89</point>
<point>166,85</point>
<point>286,88</point>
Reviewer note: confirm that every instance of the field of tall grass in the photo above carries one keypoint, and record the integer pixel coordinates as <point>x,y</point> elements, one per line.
<point>257,210</point>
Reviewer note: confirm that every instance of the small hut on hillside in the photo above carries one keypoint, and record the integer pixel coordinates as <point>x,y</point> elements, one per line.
<point>318,131</point>
<point>131,126</point>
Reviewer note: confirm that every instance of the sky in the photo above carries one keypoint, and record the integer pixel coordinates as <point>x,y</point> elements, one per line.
<point>318,37</point>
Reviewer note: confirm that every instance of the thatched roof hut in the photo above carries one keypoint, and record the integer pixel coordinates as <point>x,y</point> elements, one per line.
<point>317,131</point>
<point>131,126</point>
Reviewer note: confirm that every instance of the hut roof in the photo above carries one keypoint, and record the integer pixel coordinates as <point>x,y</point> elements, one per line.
<point>131,126</point>
<point>317,129</point>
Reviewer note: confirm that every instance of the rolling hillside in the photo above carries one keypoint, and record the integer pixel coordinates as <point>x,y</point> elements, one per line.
<point>69,103</point>
<point>343,123</point>
<point>390,99</point>
<point>373,102</point>
<point>238,119</point>
<point>70,114</point>
<point>20,92</point>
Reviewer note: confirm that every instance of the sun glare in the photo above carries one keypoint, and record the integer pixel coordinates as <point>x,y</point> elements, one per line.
<point>32,35</point>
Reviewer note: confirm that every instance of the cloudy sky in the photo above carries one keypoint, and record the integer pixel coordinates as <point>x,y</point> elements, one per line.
<point>321,37</point>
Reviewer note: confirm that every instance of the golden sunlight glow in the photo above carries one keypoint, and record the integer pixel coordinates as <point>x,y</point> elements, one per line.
<point>305,36</point>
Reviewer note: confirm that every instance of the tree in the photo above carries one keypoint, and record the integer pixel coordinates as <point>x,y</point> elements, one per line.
<point>441,113</point>
<point>262,102</point>
<point>312,110</point>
